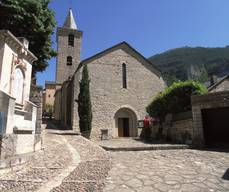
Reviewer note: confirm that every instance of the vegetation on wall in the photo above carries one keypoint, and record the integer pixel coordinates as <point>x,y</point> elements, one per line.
<point>48,108</point>
<point>35,21</point>
<point>84,104</point>
<point>174,99</point>
<point>197,63</point>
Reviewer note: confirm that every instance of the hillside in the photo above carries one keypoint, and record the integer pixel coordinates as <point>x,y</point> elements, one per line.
<point>192,63</point>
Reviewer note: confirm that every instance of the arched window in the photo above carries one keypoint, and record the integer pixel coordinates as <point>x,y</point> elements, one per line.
<point>124,76</point>
<point>69,60</point>
<point>71,40</point>
<point>18,85</point>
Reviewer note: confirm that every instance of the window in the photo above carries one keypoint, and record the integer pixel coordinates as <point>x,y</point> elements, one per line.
<point>71,40</point>
<point>69,60</point>
<point>18,85</point>
<point>124,76</point>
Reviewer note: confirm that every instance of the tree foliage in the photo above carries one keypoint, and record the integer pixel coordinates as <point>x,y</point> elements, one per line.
<point>84,103</point>
<point>175,99</point>
<point>33,20</point>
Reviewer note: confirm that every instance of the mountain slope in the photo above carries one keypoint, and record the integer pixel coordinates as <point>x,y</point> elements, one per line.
<point>192,63</point>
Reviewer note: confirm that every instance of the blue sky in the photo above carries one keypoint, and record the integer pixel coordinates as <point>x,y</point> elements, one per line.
<point>150,26</point>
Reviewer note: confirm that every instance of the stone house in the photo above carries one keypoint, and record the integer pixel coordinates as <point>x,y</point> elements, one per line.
<point>17,113</point>
<point>221,85</point>
<point>122,84</point>
<point>49,94</point>
<point>210,115</point>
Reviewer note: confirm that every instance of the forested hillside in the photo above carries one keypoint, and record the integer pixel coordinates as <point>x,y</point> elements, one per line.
<point>192,63</point>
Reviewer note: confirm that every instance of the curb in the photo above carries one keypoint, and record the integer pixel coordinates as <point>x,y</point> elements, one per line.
<point>172,147</point>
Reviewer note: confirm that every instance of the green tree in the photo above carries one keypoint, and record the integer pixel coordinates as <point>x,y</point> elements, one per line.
<point>175,99</point>
<point>33,20</point>
<point>84,104</point>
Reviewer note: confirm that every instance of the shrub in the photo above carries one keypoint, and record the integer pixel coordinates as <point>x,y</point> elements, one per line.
<point>175,99</point>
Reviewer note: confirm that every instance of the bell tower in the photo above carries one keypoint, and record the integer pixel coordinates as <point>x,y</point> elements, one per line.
<point>68,48</point>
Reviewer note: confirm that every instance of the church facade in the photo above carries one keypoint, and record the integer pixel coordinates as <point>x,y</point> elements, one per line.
<point>122,83</point>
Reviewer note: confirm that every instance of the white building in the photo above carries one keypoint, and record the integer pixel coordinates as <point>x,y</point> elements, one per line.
<point>17,113</point>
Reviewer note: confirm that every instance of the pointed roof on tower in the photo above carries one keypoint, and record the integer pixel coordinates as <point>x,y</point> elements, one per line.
<point>70,21</point>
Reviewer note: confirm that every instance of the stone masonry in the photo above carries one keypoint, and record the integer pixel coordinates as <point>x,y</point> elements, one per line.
<point>107,93</point>
<point>111,101</point>
<point>222,85</point>
<point>208,101</point>
<point>63,71</point>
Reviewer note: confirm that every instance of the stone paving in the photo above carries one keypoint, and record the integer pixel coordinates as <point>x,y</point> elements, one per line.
<point>183,170</point>
<point>71,163</point>
<point>67,163</point>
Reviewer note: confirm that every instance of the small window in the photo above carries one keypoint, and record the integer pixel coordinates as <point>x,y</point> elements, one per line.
<point>124,76</point>
<point>71,40</point>
<point>69,60</point>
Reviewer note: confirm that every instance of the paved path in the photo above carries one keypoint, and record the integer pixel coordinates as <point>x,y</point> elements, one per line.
<point>75,160</point>
<point>68,163</point>
<point>173,170</point>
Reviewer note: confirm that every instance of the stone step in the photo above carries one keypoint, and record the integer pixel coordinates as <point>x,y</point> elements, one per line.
<point>18,106</point>
<point>146,148</point>
<point>20,112</point>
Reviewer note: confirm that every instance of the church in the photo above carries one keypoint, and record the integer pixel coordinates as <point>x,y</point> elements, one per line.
<point>122,83</point>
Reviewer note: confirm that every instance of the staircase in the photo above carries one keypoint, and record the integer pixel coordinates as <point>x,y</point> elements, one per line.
<point>18,107</point>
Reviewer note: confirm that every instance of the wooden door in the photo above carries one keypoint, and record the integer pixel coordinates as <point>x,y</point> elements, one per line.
<point>123,127</point>
<point>126,127</point>
<point>120,127</point>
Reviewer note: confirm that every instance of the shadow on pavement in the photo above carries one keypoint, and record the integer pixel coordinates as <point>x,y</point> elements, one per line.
<point>226,175</point>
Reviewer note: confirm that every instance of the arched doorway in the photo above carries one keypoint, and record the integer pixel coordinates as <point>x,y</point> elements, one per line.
<point>125,123</point>
<point>18,85</point>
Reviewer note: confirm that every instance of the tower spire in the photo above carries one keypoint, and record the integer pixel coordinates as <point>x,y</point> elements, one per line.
<point>70,21</point>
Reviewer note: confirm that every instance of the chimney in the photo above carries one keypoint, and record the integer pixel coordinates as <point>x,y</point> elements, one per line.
<point>213,79</point>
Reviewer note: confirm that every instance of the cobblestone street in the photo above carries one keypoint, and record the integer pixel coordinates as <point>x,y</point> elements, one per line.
<point>67,163</point>
<point>168,170</point>
<point>71,163</point>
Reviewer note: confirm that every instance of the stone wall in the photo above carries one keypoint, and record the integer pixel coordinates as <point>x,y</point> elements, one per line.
<point>63,71</point>
<point>8,146</point>
<point>49,98</point>
<point>108,95</point>
<point>75,115</point>
<point>14,146</point>
<point>178,128</point>
<point>182,131</point>
<point>37,99</point>
<point>57,105</point>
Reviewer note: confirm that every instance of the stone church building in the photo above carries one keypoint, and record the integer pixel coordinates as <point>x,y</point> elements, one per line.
<point>122,84</point>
